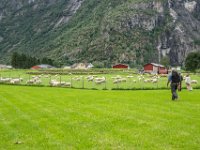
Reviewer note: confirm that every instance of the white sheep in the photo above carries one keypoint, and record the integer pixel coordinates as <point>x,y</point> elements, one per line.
<point>31,81</point>
<point>100,81</point>
<point>4,80</point>
<point>147,80</point>
<point>67,84</point>
<point>54,83</point>
<point>77,78</point>
<point>38,82</point>
<point>155,81</point>
<point>194,81</point>
<point>90,79</point>
<point>129,76</point>
<point>16,81</point>
<point>116,81</point>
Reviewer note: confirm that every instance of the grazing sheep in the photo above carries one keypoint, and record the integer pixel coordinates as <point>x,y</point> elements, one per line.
<point>16,81</point>
<point>35,77</point>
<point>64,83</point>
<point>90,79</point>
<point>100,81</point>
<point>77,78</point>
<point>119,80</point>
<point>54,83</point>
<point>35,80</point>
<point>147,80</point>
<point>4,80</point>
<point>38,82</point>
<point>155,81</point>
<point>30,81</point>
<point>194,81</point>
<point>141,77</point>
<point>129,76</point>
<point>116,81</point>
<point>67,84</point>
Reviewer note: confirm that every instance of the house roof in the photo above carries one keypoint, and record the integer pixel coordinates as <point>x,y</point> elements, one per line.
<point>45,66</point>
<point>82,65</point>
<point>154,64</point>
<point>5,66</point>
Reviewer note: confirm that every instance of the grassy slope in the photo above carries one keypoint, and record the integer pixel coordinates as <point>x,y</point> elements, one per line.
<point>33,33</point>
<point>54,118</point>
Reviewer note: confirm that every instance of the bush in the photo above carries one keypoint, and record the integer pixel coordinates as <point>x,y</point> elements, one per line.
<point>192,62</point>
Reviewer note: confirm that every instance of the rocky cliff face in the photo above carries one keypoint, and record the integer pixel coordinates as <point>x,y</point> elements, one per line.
<point>103,32</point>
<point>184,33</point>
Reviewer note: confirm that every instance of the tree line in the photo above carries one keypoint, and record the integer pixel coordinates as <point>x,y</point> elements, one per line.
<point>23,61</point>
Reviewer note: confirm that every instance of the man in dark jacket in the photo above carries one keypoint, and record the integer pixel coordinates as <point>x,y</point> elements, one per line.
<point>174,80</point>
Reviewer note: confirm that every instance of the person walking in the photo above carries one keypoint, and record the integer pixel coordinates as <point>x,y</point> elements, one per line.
<point>174,80</point>
<point>188,82</point>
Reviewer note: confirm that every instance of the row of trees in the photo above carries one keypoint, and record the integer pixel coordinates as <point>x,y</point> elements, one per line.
<point>23,61</point>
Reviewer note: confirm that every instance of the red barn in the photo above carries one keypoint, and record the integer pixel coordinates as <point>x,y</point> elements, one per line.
<point>155,68</point>
<point>120,66</point>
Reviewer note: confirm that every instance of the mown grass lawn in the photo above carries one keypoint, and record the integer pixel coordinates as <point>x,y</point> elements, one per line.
<point>58,118</point>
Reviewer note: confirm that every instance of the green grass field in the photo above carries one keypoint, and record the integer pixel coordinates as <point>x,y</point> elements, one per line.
<point>43,118</point>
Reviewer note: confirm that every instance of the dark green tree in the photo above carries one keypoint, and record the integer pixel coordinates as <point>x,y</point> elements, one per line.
<point>23,61</point>
<point>192,61</point>
<point>165,61</point>
<point>14,60</point>
<point>46,60</point>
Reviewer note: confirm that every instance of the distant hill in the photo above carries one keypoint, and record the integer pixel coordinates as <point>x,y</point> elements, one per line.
<point>103,32</point>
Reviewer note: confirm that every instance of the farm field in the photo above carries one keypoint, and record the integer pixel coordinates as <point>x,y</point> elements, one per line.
<point>59,118</point>
<point>81,81</point>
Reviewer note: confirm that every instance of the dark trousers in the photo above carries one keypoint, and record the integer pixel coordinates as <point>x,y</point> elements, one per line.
<point>174,87</point>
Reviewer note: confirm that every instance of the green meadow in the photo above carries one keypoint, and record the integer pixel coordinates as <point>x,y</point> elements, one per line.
<point>42,118</point>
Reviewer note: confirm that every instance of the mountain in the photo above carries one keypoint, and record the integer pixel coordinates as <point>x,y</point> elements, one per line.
<point>103,32</point>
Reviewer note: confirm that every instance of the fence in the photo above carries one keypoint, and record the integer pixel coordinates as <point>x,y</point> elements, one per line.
<point>84,82</point>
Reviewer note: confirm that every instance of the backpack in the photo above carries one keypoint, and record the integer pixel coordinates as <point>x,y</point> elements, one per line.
<point>175,77</point>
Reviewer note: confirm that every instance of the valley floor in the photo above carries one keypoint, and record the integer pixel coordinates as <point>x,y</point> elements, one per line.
<point>59,118</point>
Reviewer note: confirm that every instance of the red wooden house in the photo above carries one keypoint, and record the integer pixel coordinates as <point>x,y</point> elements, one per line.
<point>155,68</point>
<point>120,66</point>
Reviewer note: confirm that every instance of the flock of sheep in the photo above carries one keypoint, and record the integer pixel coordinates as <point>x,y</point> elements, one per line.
<point>56,79</point>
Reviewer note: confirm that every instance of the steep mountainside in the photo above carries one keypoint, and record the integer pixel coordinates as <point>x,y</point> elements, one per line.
<point>100,31</point>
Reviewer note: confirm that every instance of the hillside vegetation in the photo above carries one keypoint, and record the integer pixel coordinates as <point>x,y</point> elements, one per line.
<point>100,31</point>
